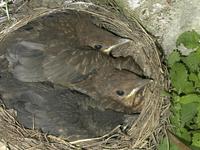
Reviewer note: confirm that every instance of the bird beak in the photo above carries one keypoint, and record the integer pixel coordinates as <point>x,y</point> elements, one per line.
<point>135,90</point>
<point>121,42</point>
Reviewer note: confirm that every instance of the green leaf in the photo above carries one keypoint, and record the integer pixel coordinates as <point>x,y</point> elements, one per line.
<point>197,121</point>
<point>173,58</point>
<point>175,98</point>
<point>190,98</point>
<point>188,113</point>
<point>192,61</point>
<point>179,79</point>
<point>195,78</point>
<point>165,144</point>
<point>165,93</point>
<point>198,75</point>
<point>175,118</point>
<point>196,139</point>
<point>189,39</point>
<point>184,135</point>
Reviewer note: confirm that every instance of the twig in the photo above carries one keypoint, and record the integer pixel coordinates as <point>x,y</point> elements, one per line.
<point>4,5</point>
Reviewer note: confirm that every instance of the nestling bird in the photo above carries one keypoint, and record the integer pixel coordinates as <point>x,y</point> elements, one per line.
<point>61,112</point>
<point>65,48</point>
<point>68,29</point>
<point>88,71</point>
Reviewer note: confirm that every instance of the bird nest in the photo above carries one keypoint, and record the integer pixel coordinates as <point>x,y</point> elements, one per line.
<point>142,134</point>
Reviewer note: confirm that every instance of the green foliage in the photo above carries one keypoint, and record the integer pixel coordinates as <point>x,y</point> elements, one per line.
<point>190,98</point>
<point>173,58</point>
<point>184,73</point>
<point>190,39</point>
<point>179,77</point>
<point>165,144</point>
<point>197,119</point>
<point>192,61</point>
<point>188,112</point>
<point>196,139</point>
<point>195,79</point>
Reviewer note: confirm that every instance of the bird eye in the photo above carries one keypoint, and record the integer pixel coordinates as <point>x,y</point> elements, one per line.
<point>120,92</point>
<point>28,28</point>
<point>98,47</point>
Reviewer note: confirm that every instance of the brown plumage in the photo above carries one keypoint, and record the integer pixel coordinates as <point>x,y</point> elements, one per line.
<point>58,111</point>
<point>66,48</point>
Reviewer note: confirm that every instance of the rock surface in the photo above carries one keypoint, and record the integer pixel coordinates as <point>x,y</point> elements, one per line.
<point>167,19</point>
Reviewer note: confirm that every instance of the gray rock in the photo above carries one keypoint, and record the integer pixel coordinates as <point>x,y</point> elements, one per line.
<point>167,19</point>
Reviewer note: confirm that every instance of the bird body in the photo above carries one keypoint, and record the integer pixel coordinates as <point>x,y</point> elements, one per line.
<point>60,111</point>
<point>65,48</point>
<point>91,72</point>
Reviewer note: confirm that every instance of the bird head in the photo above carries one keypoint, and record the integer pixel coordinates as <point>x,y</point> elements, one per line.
<point>106,43</point>
<point>99,38</point>
<point>123,87</point>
